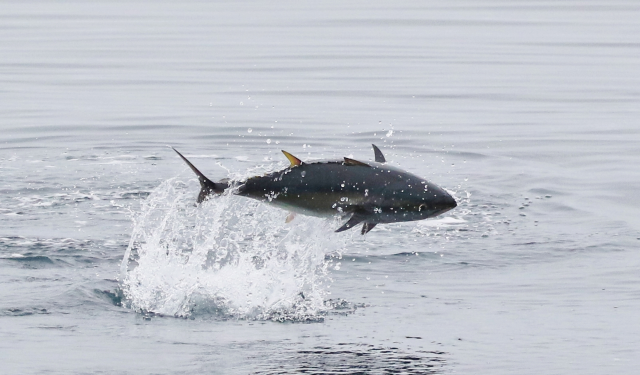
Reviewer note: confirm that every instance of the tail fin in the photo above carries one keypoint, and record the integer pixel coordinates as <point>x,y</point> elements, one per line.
<point>208,187</point>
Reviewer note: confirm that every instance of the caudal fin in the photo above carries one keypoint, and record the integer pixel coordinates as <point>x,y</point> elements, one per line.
<point>208,187</point>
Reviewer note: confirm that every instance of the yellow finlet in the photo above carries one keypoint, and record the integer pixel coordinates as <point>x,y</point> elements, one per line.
<point>294,160</point>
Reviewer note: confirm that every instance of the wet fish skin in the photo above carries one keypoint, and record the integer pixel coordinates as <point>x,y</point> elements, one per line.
<point>369,192</point>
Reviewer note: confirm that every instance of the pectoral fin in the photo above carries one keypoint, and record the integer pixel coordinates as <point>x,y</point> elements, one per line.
<point>290,217</point>
<point>358,217</point>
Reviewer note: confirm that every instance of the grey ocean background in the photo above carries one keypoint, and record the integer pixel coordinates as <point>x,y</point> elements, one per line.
<point>528,111</point>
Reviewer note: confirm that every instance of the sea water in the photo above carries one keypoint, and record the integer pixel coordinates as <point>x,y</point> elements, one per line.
<point>527,112</point>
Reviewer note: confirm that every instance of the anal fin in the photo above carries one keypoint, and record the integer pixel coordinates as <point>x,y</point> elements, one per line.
<point>366,227</point>
<point>355,220</point>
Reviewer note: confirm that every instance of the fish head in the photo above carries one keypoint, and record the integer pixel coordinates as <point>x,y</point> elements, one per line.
<point>408,197</point>
<point>432,200</point>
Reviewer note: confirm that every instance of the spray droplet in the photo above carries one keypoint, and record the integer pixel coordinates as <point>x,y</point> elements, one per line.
<point>249,130</point>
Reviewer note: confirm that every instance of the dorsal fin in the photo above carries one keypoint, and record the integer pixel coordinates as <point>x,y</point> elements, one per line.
<point>348,161</point>
<point>294,160</point>
<point>379,157</point>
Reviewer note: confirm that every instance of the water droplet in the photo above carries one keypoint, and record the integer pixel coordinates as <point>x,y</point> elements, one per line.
<point>268,141</point>
<point>249,130</point>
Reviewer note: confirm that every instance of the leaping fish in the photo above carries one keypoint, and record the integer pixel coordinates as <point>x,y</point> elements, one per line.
<point>368,192</point>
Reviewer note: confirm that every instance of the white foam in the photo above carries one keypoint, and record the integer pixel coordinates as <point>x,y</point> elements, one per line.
<point>441,222</point>
<point>231,255</point>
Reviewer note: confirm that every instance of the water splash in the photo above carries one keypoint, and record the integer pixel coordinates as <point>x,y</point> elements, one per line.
<point>230,256</point>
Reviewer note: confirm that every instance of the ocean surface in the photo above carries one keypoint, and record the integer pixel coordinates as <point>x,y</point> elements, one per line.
<point>528,112</point>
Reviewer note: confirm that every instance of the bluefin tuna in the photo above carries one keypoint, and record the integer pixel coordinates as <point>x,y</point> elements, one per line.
<point>370,193</point>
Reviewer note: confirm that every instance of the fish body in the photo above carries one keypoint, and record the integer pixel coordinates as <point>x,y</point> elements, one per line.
<point>369,192</point>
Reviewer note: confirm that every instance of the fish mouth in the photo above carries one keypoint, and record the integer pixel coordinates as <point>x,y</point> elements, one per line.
<point>448,204</point>
<point>444,204</point>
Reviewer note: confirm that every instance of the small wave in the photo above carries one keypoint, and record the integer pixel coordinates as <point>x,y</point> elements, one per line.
<point>25,311</point>
<point>347,358</point>
<point>28,203</point>
<point>30,259</point>
<point>34,262</point>
<point>115,297</point>
<point>46,252</point>
<point>441,222</point>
